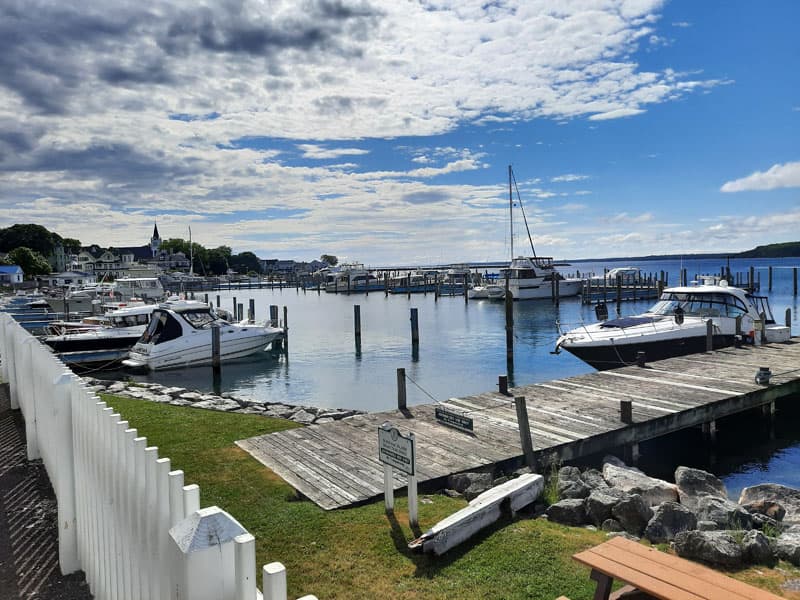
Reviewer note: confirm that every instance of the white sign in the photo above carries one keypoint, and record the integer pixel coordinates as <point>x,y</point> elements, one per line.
<point>395,450</point>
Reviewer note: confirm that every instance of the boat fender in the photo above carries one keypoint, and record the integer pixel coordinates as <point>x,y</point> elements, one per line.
<point>679,315</point>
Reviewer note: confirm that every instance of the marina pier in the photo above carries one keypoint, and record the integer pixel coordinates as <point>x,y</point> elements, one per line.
<point>336,464</point>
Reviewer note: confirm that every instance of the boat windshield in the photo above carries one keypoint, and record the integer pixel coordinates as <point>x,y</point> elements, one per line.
<point>762,306</point>
<point>700,304</point>
<point>200,318</point>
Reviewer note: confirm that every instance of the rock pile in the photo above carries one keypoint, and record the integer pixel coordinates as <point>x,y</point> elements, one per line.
<point>178,396</point>
<point>694,514</point>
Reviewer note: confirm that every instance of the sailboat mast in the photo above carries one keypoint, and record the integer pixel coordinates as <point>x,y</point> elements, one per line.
<point>511,210</point>
<point>191,254</point>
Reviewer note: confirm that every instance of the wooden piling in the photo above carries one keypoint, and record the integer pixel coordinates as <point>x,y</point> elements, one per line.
<point>401,389</point>
<point>769,278</point>
<point>205,298</point>
<point>509,305</point>
<point>357,326</point>
<point>525,432</point>
<point>788,318</point>
<point>794,280</point>
<point>709,335</point>
<point>218,304</point>
<point>751,279</point>
<point>619,294</point>
<point>215,348</point>
<point>273,315</point>
<point>234,308</point>
<point>502,384</point>
<point>285,330</point>
<point>626,411</point>
<point>414,328</point>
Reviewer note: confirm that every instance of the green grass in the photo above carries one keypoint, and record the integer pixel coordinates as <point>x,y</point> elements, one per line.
<point>358,552</point>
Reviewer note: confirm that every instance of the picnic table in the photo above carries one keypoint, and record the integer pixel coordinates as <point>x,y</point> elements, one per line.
<point>661,575</point>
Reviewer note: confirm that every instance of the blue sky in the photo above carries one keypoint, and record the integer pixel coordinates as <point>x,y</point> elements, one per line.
<point>382,131</point>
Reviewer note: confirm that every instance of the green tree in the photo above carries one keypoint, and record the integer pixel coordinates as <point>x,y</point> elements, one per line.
<point>329,259</point>
<point>244,262</point>
<point>34,237</point>
<point>71,245</point>
<point>33,263</point>
<point>219,260</point>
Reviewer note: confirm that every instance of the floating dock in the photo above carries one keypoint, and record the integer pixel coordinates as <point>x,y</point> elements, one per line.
<point>336,464</point>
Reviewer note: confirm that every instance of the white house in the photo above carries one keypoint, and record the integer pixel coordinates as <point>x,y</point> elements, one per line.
<point>11,275</point>
<point>67,278</point>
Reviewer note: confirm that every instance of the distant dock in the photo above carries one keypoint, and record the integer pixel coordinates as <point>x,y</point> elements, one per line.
<point>336,464</point>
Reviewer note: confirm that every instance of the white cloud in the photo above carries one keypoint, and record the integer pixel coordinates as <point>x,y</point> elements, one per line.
<point>568,177</point>
<point>617,113</point>
<point>681,24</point>
<point>626,218</point>
<point>778,176</point>
<point>314,151</point>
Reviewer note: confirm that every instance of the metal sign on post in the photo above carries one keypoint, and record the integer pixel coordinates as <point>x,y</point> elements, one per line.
<point>453,419</point>
<point>398,451</point>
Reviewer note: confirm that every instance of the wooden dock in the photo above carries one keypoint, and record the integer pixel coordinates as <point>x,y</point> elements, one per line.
<point>336,464</point>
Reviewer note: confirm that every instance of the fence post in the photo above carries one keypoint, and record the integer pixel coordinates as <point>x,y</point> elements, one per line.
<point>64,478</point>
<point>274,584</point>
<point>244,547</point>
<point>27,401</point>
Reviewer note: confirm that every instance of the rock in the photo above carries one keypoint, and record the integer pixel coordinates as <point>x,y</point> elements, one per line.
<point>624,534</point>
<point>477,488</point>
<point>191,396</point>
<point>633,513</point>
<point>500,480</point>
<point>180,402</point>
<point>763,521</point>
<point>707,526</point>
<point>451,493</point>
<point>460,482</point>
<point>571,511</point>
<point>757,549</point>
<point>669,519</point>
<point>594,479</point>
<point>611,525</point>
<point>715,547</point>
<point>323,420</point>
<point>251,410</point>
<point>175,391</point>
<point>693,483</point>
<point>600,503</point>
<point>570,484</point>
<point>787,497</point>
<point>610,459</point>
<point>653,491</point>
<point>767,508</point>
<point>303,416</point>
<point>787,546</point>
<point>725,513</point>
<point>115,388</point>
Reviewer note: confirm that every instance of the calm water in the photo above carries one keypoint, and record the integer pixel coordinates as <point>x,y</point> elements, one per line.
<point>461,352</point>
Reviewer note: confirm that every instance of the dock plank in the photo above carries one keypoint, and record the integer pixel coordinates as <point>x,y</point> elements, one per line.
<point>336,464</point>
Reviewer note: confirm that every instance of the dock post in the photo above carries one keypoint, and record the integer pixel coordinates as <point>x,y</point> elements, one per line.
<point>788,320</point>
<point>240,312</point>
<point>251,313</point>
<point>234,308</point>
<point>769,279</point>
<point>709,335</point>
<point>794,280</point>
<point>414,329</point>
<point>509,328</point>
<point>215,358</point>
<point>413,504</point>
<point>217,300</point>
<point>626,411</point>
<point>386,284</point>
<point>556,284</point>
<point>466,289</point>
<point>525,432</point>
<point>205,298</point>
<point>619,294</point>
<point>401,389</point>
<point>683,277</point>
<point>285,340</point>
<point>751,279</point>
<point>273,315</point>
<point>632,453</point>
<point>502,384</point>
<point>357,327</point>
<point>768,409</point>
<point>710,431</point>
<point>763,316</point>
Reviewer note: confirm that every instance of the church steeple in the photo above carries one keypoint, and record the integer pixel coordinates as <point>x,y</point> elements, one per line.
<point>155,241</point>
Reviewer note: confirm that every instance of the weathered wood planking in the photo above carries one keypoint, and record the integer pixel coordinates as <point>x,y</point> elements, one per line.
<point>336,464</point>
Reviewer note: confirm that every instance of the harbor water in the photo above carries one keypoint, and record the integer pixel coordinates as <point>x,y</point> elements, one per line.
<point>462,351</point>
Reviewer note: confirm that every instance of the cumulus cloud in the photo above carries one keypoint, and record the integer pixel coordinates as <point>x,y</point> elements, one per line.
<point>568,178</point>
<point>786,175</point>
<point>320,152</point>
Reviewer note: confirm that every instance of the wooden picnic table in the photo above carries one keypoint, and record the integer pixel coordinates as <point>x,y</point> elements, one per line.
<point>661,575</point>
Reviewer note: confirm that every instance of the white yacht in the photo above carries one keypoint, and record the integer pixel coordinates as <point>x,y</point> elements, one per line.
<point>676,325</point>
<point>115,330</point>
<point>532,278</point>
<point>145,288</point>
<point>353,277</point>
<point>179,335</point>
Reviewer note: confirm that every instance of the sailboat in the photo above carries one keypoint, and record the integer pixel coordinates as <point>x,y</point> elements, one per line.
<point>531,277</point>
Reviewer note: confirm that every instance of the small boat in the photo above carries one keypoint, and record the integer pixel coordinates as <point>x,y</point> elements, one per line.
<point>455,281</point>
<point>626,275</point>
<point>676,325</point>
<point>414,282</point>
<point>115,330</point>
<point>180,335</point>
<point>353,277</point>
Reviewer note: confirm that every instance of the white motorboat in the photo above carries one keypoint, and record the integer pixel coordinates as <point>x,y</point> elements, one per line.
<point>351,277</point>
<point>180,334</point>
<point>531,278</point>
<point>490,291</point>
<point>676,325</point>
<point>146,288</point>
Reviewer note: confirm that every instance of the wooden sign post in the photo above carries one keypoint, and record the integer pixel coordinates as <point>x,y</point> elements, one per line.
<point>397,451</point>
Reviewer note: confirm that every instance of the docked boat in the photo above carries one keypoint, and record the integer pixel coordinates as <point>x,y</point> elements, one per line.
<point>180,334</point>
<point>676,325</point>
<point>414,282</point>
<point>116,330</point>
<point>455,281</point>
<point>352,278</point>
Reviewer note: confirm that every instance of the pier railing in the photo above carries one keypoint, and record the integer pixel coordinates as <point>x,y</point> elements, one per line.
<point>125,516</point>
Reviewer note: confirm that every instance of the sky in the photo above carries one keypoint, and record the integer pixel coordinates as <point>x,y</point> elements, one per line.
<point>382,131</point>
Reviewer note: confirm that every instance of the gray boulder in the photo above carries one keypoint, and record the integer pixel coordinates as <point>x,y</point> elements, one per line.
<point>766,508</point>
<point>611,525</point>
<point>571,511</point>
<point>694,483</point>
<point>757,549</point>
<point>303,416</point>
<point>610,459</point>
<point>707,526</point>
<point>594,479</point>
<point>787,497</point>
<point>654,491</point>
<point>669,519</point>
<point>570,484</point>
<point>461,482</point>
<point>715,547</point>
<point>787,546</point>
<point>600,503</point>
<point>633,513</point>
<point>725,513</point>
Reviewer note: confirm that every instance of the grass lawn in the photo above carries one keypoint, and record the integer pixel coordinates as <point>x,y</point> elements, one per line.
<point>360,552</point>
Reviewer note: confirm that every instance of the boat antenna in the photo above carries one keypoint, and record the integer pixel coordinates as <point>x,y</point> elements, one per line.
<point>519,199</point>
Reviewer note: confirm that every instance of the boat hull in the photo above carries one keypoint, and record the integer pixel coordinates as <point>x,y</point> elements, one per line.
<point>538,289</point>
<point>83,342</point>
<point>612,356</point>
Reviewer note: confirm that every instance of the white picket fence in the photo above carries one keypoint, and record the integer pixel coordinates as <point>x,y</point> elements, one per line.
<point>125,517</point>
